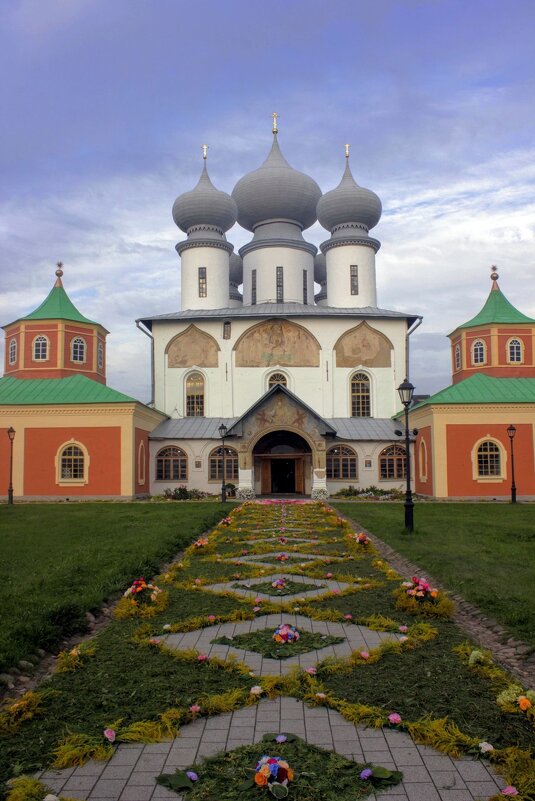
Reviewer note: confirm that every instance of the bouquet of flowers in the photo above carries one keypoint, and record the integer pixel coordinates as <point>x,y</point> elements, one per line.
<point>286,633</point>
<point>282,557</point>
<point>201,542</point>
<point>279,584</point>
<point>362,539</point>
<point>272,771</point>
<point>142,591</point>
<point>420,589</point>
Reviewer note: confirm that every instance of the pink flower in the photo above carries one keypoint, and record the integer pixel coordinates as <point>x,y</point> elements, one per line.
<point>328,575</point>
<point>258,600</point>
<point>257,608</point>
<point>211,618</point>
<point>321,696</point>
<point>195,709</point>
<point>336,592</point>
<point>394,718</point>
<point>197,581</point>
<point>509,790</point>
<point>110,735</point>
<point>311,670</point>
<point>202,657</point>
<point>348,617</point>
<point>403,629</point>
<point>364,654</point>
<point>154,641</point>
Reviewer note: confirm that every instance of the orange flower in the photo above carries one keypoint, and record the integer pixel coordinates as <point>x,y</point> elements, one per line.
<point>433,593</point>
<point>260,780</point>
<point>290,775</point>
<point>524,703</point>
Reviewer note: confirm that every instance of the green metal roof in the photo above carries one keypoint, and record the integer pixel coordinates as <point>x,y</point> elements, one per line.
<point>58,306</point>
<point>75,389</point>
<point>497,309</point>
<point>480,388</point>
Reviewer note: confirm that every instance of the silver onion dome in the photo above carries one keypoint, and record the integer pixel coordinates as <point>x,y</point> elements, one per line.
<point>205,205</point>
<point>320,268</point>
<point>349,203</point>
<point>275,191</point>
<point>235,269</point>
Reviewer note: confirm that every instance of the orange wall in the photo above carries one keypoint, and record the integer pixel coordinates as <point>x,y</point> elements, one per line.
<point>141,436</point>
<point>460,440</point>
<point>40,449</point>
<point>424,487</point>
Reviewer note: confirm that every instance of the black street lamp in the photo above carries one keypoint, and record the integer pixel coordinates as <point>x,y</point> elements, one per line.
<point>406,391</point>
<point>223,433</point>
<point>511,431</point>
<point>11,435</point>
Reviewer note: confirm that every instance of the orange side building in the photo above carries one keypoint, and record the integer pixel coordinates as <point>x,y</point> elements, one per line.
<point>73,435</point>
<point>471,433</point>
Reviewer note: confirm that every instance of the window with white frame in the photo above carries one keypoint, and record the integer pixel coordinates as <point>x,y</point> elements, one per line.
<point>215,464</point>
<point>72,463</point>
<point>100,355</point>
<point>514,351</point>
<point>392,462</point>
<point>342,463</point>
<point>360,395</point>
<point>478,352</point>
<point>488,460</point>
<point>13,351</point>
<point>457,357</point>
<point>195,395</point>
<point>78,350</point>
<point>40,349</point>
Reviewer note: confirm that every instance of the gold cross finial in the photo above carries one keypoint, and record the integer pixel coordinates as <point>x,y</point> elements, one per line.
<point>275,126</point>
<point>347,150</point>
<point>204,151</point>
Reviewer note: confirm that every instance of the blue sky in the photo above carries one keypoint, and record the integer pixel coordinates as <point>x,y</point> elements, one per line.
<point>105,104</point>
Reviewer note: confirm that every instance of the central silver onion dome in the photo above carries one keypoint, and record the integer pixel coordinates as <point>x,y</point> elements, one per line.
<point>205,205</point>
<point>349,203</point>
<point>235,268</point>
<point>275,191</point>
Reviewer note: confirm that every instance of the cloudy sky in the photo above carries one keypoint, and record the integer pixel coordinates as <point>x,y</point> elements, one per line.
<point>105,104</point>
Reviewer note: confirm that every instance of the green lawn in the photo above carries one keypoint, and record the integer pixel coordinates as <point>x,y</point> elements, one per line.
<point>60,561</point>
<point>484,552</point>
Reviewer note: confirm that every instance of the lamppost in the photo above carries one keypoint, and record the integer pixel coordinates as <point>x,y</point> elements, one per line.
<point>511,431</point>
<point>223,433</point>
<point>11,435</point>
<point>406,391</point>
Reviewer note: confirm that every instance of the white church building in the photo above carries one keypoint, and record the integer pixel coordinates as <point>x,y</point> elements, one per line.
<point>305,384</point>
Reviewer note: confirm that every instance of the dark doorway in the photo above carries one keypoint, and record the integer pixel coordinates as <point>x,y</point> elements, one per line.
<point>283,476</point>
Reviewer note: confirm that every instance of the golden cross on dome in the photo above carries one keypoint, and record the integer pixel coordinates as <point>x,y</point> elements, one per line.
<point>275,126</point>
<point>204,151</point>
<point>347,150</point>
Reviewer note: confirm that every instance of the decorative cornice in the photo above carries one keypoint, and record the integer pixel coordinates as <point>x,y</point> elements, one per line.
<point>278,243</point>
<point>205,227</point>
<point>350,225</point>
<point>56,410</point>
<point>204,243</point>
<point>368,241</point>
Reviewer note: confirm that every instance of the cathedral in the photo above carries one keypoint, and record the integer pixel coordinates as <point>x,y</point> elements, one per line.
<point>258,381</point>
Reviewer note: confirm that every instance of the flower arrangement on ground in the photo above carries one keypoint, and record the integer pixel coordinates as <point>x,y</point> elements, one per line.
<point>417,596</point>
<point>202,542</point>
<point>362,539</point>
<point>285,633</point>
<point>142,591</point>
<point>282,557</point>
<point>273,771</point>
<point>279,584</point>
<point>420,589</point>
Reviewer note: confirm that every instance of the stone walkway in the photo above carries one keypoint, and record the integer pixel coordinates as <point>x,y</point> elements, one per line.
<point>130,774</point>
<point>324,585</point>
<point>357,638</point>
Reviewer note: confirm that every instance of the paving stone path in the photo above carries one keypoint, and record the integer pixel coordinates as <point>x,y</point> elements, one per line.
<point>130,774</point>
<point>324,585</point>
<point>357,638</point>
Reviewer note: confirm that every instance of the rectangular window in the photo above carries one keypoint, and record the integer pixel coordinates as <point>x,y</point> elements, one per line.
<point>226,329</point>
<point>305,287</point>
<point>202,282</point>
<point>280,284</point>
<point>253,287</point>
<point>354,281</point>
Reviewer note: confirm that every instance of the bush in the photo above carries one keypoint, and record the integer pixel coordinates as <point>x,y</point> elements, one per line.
<point>369,492</point>
<point>182,493</point>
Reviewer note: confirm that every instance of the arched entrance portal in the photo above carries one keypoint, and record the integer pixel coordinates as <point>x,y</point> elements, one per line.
<point>282,462</point>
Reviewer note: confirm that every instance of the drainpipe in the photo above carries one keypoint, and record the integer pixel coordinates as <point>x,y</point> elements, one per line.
<point>410,331</point>
<point>148,333</point>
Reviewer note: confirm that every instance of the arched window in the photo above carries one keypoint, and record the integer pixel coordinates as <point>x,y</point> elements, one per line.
<point>100,355</point>
<point>171,465</point>
<point>360,396</point>
<point>13,351</point>
<point>478,352</point>
<point>72,463</point>
<point>392,462</point>
<point>194,395</point>
<point>141,463</point>
<point>40,349</point>
<point>216,464</point>
<point>514,350</point>
<point>457,357</point>
<point>78,350</point>
<point>277,378</point>
<point>422,461</point>
<point>342,463</point>
<point>488,460</point>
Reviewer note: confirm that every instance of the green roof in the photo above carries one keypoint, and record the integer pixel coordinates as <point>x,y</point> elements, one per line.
<point>497,309</point>
<point>75,389</point>
<point>58,306</point>
<point>481,388</point>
